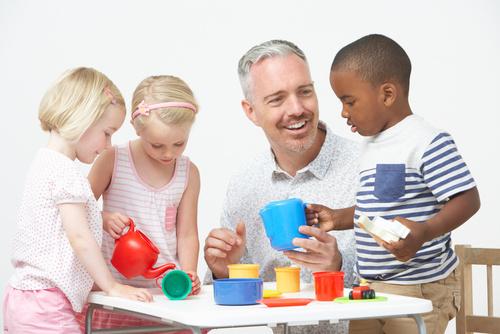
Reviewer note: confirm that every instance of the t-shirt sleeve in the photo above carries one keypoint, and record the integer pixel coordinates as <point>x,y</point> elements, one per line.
<point>443,168</point>
<point>70,187</point>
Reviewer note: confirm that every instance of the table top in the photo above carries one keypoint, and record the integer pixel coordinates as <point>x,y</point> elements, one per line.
<point>201,310</point>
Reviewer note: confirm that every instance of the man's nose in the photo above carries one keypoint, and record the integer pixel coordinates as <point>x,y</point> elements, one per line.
<point>295,106</point>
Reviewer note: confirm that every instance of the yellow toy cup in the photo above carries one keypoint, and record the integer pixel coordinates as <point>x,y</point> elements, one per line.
<point>243,270</point>
<point>287,279</point>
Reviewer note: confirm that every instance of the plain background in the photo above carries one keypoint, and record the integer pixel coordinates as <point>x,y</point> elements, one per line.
<point>454,47</point>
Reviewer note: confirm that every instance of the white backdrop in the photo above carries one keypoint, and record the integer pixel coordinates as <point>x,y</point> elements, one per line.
<point>454,47</point>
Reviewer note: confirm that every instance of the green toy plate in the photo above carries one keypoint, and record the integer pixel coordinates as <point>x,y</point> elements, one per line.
<point>345,300</point>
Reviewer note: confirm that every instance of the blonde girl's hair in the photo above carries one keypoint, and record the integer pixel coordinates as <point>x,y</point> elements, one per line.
<point>162,89</point>
<point>76,101</point>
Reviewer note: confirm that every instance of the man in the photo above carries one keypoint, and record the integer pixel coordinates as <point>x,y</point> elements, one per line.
<point>306,161</point>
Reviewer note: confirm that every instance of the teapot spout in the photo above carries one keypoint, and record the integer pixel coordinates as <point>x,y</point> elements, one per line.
<point>158,271</point>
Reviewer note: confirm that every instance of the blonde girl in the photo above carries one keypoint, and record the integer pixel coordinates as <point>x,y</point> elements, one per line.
<point>57,255</point>
<point>149,180</point>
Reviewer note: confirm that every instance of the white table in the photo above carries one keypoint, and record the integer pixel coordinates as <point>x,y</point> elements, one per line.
<point>200,311</point>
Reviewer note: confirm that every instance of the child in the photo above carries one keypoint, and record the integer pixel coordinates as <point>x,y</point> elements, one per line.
<point>410,172</point>
<point>149,180</point>
<point>56,255</point>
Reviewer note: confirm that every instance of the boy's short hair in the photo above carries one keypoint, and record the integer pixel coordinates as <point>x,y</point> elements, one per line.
<point>376,58</point>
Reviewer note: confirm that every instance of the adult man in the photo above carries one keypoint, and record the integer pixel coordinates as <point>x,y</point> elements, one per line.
<point>306,161</point>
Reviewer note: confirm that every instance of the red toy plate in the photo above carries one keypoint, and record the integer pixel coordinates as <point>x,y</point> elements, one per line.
<point>277,302</point>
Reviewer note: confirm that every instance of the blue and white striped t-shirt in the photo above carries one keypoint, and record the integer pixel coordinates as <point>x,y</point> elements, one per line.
<point>410,170</point>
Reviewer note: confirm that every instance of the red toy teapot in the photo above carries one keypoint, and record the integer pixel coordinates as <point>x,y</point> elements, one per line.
<point>135,255</point>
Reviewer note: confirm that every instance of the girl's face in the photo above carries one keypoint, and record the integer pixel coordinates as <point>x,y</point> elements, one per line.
<point>97,138</point>
<point>164,142</point>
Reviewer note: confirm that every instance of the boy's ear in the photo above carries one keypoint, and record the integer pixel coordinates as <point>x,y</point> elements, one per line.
<point>249,111</point>
<point>389,93</point>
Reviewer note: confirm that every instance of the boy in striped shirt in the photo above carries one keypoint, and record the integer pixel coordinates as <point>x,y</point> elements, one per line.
<point>410,172</point>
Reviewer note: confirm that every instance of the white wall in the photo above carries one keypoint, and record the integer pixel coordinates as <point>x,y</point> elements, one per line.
<point>454,47</point>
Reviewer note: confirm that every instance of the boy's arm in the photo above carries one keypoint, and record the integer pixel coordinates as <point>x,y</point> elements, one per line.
<point>188,244</point>
<point>453,214</point>
<point>101,172</point>
<point>330,219</point>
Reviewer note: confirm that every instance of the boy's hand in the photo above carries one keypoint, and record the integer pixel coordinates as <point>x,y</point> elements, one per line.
<point>195,281</point>
<point>129,292</point>
<point>114,223</point>
<point>405,249</point>
<point>328,219</point>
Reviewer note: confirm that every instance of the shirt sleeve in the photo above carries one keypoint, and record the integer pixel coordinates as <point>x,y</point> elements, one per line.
<point>444,170</point>
<point>70,187</point>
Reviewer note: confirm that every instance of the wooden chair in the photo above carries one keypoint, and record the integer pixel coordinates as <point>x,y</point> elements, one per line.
<point>466,321</point>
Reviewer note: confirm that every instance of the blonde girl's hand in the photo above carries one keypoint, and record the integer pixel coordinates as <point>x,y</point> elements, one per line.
<point>114,223</point>
<point>129,292</point>
<point>195,281</point>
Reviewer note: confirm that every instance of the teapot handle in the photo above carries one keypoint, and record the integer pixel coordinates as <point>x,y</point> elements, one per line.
<point>131,227</point>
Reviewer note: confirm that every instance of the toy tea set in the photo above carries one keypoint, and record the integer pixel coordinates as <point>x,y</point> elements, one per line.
<point>135,255</point>
<point>282,220</point>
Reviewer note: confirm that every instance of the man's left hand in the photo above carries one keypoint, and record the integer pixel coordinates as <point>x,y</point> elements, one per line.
<point>321,253</point>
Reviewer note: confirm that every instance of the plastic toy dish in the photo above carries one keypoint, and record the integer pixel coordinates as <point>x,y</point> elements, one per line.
<point>238,291</point>
<point>281,302</point>
<point>345,300</point>
<point>271,294</point>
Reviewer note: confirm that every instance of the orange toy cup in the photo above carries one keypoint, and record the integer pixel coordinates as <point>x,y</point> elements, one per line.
<point>243,270</point>
<point>288,279</point>
<point>328,285</point>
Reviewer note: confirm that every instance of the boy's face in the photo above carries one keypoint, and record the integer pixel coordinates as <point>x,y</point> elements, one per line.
<point>362,103</point>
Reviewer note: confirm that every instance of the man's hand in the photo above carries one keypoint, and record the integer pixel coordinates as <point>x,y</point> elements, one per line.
<point>322,253</point>
<point>223,247</point>
<point>114,223</point>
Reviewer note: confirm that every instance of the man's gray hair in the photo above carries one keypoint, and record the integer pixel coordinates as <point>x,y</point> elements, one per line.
<point>272,48</point>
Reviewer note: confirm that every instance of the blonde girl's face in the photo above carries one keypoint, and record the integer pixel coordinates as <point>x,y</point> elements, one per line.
<point>97,138</point>
<point>164,142</point>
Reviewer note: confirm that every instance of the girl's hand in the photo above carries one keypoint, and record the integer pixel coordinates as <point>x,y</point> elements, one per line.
<point>195,281</point>
<point>114,223</point>
<point>129,292</point>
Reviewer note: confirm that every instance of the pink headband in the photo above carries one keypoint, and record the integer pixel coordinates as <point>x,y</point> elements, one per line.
<point>144,109</point>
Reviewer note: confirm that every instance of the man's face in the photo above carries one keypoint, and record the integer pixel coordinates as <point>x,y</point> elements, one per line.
<point>283,103</point>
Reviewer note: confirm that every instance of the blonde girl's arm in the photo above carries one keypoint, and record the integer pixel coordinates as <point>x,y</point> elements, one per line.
<point>99,177</point>
<point>74,221</point>
<point>188,244</point>
<point>101,172</point>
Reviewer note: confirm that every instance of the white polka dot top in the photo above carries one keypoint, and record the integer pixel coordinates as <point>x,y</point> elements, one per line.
<point>42,256</point>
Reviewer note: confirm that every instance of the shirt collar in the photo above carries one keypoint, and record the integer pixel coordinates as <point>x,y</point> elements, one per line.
<point>318,167</point>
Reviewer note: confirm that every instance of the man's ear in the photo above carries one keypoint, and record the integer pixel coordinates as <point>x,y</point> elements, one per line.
<point>249,111</point>
<point>389,93</point>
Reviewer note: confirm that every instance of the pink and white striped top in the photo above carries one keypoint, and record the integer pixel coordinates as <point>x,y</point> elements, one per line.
<point>154,210</point>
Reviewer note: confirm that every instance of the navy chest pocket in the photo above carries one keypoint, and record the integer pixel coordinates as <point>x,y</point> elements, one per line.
<point>389,181</point>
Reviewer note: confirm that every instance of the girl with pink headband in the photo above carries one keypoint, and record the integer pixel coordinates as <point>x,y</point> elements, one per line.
<point>149,180</point>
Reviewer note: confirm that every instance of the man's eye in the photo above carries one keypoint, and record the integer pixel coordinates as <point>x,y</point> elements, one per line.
<point>275,100</point>
<point>307,92</point>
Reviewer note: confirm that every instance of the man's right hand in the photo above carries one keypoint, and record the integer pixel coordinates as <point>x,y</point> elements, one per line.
<point>223,247</point>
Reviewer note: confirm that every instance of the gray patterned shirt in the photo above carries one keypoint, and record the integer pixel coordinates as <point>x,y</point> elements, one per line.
<point>330,179</point>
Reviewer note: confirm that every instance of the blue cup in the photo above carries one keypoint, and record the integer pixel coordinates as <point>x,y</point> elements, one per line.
<point>282,220</point>
<point>238,291</point>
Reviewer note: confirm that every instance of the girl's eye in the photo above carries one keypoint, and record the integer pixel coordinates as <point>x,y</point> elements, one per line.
<point>156,146</point>
<point>179,144</point>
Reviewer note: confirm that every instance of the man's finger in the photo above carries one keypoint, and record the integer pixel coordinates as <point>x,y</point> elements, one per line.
<point>312,231</point>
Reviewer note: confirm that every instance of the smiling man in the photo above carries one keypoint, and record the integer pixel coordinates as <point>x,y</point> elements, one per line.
<point>306,161</point>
